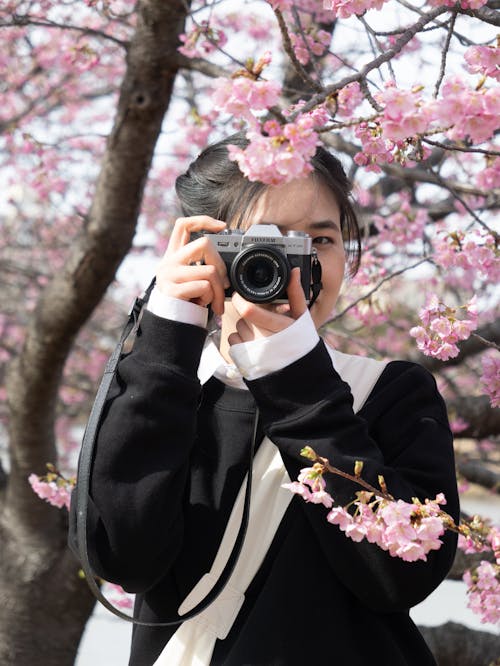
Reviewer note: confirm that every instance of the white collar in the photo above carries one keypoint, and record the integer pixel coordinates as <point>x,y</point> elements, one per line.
<point>213,364</point>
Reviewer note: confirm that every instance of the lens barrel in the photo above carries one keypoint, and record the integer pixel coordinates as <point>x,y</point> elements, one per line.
<point>260,273</point>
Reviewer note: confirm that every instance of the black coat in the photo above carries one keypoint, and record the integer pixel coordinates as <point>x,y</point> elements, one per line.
<point>169,463</point>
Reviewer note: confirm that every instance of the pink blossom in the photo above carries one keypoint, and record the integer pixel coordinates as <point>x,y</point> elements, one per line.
<point>279,158</point>
<point>347,8</point>
<point>298,489</point>
<point>349,98</point>
<point>311,477</point>
<point>242,95</point>
<point>202,40</point>
<point>339,516</point>
<point>315,42</point>
<point>53,493</point>
<point>442,328</point>
<point>490,378</point>
<point>483,585</point>
<point>484,60</point>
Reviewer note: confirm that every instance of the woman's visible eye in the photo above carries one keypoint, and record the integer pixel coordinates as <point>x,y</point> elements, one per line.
<point>323,240</point>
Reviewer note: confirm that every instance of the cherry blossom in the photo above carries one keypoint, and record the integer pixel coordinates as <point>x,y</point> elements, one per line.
<point>202,40</point>
<point>490,378</point>
<point>346,8</point>
<point>55,492</point>
<point>484,60</point>
<point>443,328</point>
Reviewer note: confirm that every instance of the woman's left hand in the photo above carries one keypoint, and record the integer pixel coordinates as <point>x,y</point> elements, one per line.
<point>260,321</point>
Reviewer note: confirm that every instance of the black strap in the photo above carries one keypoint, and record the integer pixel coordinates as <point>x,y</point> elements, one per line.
<point>316,284</point>
<point>83,485</point>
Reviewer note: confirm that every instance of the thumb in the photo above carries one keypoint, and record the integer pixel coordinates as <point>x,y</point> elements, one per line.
<point>296,296</point>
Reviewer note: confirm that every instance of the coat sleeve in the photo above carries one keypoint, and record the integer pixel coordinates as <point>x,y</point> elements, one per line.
<point>402,432</point>
<point>140,468</point>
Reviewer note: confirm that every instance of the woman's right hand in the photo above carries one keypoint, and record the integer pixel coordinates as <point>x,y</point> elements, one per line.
<point>194,271</point>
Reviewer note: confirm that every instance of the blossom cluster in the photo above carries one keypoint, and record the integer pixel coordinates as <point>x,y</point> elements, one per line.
<point>442,328</point>
<point>277,153</point>
<point>408,530</point>
<point>347,8</point>
<point>54,488</point>
<point>405,114</point>
<point>474,111</point>
<point>484,591</point>
<point>402,227</point>
<point>490,378</point>
<point>116,595</point>
<point>483,581</point>
<point>241,95</point>
<point>202,40</point>
<point>313,41</point>
<point>484,60</point>
<point>475,251</point>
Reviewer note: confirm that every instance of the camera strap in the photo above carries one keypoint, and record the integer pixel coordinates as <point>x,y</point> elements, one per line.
<point>82,490</point>
<point>316,284</point>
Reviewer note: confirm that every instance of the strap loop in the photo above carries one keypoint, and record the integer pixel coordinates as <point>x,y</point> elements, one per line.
<point>83,486</point>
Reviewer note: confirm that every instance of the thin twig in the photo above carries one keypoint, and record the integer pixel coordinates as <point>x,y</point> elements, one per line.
<point>445,54</point>
<point>376,288</point>
<point>488,343</point>
<point>374,64</point>
<point>461,149</point>
<point>287,45</point>
<point>22,21</point>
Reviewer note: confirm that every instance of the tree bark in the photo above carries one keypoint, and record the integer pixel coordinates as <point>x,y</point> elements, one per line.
<point>454,644</point>
<point>43,603</point>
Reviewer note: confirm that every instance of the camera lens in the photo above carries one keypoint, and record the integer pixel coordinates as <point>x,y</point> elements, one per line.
<point>260,273</point>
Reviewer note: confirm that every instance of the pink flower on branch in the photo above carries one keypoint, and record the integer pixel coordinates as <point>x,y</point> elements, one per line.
<point>442,328</point>
<point>347,8</point>
<point>484,60</point>
<point>202,40</point>
<point>314,42</point>
<point>54,488</point>
<point>408,530</point>
<point>281,156</point>
<point>490,378</point>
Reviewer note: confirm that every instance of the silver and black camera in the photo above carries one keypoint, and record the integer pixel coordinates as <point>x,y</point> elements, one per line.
<point>259,261</point>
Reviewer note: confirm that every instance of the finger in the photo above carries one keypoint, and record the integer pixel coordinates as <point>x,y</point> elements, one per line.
<point>201,250</point>
<point>184,226</point>
<point>199,291</point>
<point>296,296</point>
<point>234,339</point>
<point>171,281</point>
<point>248,332</point>
<point>260,317</point>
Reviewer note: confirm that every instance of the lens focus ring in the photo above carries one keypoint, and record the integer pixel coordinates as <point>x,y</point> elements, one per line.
<point>260,273</point>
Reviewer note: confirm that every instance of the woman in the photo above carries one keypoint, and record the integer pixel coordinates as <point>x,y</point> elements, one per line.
<point>173,445</point>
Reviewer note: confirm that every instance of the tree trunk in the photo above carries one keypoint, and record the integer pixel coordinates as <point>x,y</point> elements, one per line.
<point>43,604</point>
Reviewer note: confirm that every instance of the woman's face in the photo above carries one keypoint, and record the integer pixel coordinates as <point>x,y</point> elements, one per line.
<point>308,205</point>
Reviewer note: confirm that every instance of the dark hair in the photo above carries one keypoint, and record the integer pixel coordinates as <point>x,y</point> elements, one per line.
<point>214,185</point>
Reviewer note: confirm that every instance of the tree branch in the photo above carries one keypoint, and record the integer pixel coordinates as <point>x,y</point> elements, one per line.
<point>484,421</point>
<point>375,63</point>
<point>476,471</point>
<point>454,644</point>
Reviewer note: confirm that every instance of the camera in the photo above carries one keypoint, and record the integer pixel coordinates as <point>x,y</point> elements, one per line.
<point>260,260</point>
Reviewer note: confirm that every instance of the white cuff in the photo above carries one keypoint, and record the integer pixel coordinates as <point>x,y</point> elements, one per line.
<point>177,309</point>
<point>260,357</point>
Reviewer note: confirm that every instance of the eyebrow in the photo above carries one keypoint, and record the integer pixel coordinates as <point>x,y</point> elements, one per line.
<point>314,226</point>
